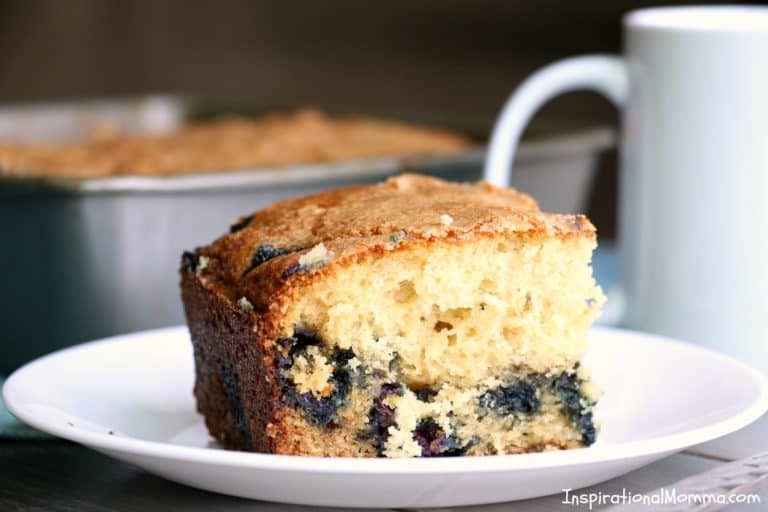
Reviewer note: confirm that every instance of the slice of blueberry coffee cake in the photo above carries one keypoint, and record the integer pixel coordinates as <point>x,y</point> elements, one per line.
<point>411,318</point>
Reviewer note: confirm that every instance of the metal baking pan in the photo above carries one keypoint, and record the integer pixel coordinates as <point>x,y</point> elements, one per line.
<point>87,258</point>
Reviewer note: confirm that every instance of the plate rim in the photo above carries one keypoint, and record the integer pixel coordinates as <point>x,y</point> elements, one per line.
<point>382,466</point>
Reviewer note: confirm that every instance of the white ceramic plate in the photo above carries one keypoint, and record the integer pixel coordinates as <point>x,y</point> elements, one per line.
<point>130,397</point>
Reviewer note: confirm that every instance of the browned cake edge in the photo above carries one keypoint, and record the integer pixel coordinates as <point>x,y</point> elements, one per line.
<point>235,384</point>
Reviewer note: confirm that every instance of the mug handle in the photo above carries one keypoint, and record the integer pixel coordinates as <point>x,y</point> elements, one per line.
<point>606,74</point>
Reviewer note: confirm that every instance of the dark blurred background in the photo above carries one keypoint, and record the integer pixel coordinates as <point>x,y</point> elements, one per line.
<point>447,56</point>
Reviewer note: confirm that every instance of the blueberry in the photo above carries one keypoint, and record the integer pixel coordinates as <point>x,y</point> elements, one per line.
<point>518,397</point>
<point>429,435</point>
<point>291,270</point>
<point>293,345</point>
<point>574,405</point>
<point>231,385</point>
<point>189,261</point>
<point>319,411</point>
<point>381,416</point>
<point>567,388</point>
<point>434,442</point>
<point>425,394</point>
<point>266,252</point>
<point>340,357</point>
<point>391,388</point>
<point>240,223</point>
<point>586,424</point>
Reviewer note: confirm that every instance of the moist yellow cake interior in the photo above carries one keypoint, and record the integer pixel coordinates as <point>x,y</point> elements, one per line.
<point>461,312</point>
<point>459,319</point>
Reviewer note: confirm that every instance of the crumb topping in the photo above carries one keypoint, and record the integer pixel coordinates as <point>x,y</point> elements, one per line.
<point>245,305</point>
<point>202,263</point>
<point>316,256</point>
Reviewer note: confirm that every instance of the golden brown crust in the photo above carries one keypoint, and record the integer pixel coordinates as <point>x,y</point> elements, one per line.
<point>358,222</point>
<point>306,136</point>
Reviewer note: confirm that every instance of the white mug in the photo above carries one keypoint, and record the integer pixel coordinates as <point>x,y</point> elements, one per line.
<point>693,224</point>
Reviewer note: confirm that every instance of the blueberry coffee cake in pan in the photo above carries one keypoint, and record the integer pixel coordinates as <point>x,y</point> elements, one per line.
<point>415,317</point>
<point>229,143</point>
